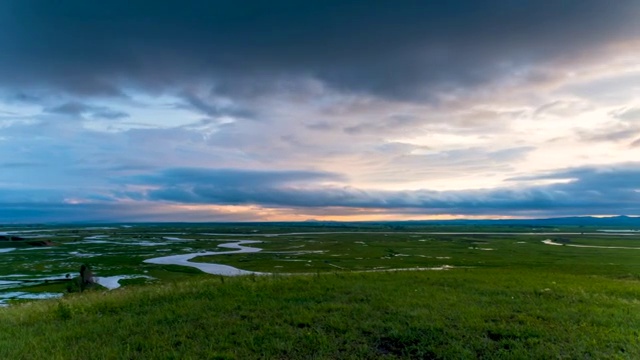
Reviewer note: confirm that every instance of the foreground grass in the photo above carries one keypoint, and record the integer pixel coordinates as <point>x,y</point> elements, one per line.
<point>463,313</point>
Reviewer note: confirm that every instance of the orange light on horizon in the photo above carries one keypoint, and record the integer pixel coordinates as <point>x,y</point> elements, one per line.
<point>259,213</point>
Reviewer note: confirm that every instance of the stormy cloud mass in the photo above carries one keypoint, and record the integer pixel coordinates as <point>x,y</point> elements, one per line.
<point>331,110</point>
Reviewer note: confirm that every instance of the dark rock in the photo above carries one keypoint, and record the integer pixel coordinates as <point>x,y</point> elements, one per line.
<point>86,275</point>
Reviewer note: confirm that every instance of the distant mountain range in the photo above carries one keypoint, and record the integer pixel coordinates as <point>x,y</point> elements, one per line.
<point>615,221</point>
<point>612,221</point>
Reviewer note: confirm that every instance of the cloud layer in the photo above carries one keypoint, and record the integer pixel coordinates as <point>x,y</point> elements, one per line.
<point>580,191</point>
<point>246,110</point>
<point>408,50</point>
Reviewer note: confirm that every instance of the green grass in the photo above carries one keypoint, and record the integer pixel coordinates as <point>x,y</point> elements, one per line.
<point>521,300</point>
<point>358,252</point>
<point>464,313</point>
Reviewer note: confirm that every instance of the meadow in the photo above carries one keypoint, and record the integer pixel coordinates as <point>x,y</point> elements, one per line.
<point>326,292</point>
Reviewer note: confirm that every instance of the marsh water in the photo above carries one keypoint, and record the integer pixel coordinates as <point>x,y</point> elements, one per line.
<point>125,254</point>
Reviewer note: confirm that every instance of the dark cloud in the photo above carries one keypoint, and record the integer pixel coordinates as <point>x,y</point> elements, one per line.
<point>22,97</point>
<point>604,190</point>
<point>413,49</point>
<point>81,109</point>
<point>27,212</point>
<point>595,190</point>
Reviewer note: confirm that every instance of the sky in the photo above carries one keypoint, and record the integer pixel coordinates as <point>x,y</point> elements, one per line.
<point>240,110</point>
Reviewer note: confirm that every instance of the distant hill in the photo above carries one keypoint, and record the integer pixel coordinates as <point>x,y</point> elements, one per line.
<point>613,221</point>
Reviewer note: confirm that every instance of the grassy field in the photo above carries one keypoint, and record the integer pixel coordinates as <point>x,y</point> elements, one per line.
<point>503,296</point>
<point>361,252</point>
<point>467,313</point>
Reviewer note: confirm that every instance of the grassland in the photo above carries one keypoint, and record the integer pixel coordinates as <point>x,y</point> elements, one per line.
<point>506,296</point>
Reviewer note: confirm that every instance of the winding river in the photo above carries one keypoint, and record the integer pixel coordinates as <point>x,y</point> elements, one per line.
<point>209,268</point>
<point>226,270</point>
